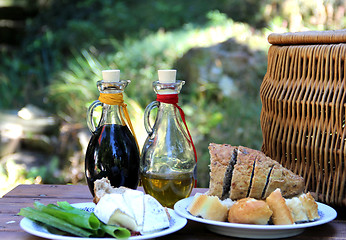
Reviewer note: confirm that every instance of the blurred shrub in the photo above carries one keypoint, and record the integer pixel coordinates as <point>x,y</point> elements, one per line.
<point>69,42</point>
<point>211,116</point>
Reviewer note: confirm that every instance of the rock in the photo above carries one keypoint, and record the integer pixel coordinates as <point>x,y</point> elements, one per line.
<point>30,121</point>
<point>235,68</point>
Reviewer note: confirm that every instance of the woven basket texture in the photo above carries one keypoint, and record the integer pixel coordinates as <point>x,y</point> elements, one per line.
<point>304,109</point>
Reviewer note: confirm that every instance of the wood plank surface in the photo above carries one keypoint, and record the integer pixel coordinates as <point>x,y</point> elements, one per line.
<point>50,191</point>
<point>26,195</point>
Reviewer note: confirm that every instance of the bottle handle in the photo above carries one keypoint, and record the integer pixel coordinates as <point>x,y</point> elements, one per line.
<point>147,111</point>
<point>90,114</point>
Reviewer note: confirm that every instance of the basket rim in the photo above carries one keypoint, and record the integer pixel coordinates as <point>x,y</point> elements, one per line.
<point>308,37</point>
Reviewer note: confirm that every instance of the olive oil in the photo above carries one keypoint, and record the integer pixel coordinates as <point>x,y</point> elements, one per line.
<point>168,189</point>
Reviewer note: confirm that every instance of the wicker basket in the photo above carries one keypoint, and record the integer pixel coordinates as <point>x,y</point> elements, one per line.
<point>304,109</point>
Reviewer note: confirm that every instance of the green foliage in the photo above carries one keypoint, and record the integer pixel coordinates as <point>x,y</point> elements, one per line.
<point>69,42</point>
<point>49,173</point>
<point>72,90</point>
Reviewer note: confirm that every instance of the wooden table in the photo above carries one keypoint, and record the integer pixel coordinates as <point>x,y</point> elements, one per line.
<point>25,195</point>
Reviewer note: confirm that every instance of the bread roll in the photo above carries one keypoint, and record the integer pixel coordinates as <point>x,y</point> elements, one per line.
<point>310,206</point>
<point>297,210</point>
<point>281,213</point>
<point>208,207</point>
<point>250,211</point>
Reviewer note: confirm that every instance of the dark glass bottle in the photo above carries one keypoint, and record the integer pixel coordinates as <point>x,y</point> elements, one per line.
<point>112,151</point>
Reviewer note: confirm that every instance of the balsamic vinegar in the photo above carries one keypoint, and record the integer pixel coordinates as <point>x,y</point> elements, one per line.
<point>112,152</point>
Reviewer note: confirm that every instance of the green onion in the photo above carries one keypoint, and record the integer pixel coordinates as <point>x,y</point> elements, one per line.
<point>72,215</point>
<point>116,231</point>
<point>60,224</point>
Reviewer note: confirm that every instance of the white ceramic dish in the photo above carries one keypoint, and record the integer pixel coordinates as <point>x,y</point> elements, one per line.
<point>176,223</point>
<point>326,213</point>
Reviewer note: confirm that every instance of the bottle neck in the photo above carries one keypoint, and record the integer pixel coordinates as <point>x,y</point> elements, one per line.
<point>112,114</point>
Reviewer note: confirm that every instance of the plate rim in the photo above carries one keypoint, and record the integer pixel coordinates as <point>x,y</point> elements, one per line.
<point>182,204</point>
<point>179,223</point>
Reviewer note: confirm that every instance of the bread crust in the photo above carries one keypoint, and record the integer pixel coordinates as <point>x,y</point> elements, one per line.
<point>220,155</point>
<point>297,210</point>
<point>208,207</point>
<point>261,172</point>
<point>243,172</point>
<point>250,211</point>
<point>254,174</point>
<point>103,187</point>
<point>281,213</point>
<point>290,184</point>
<point>310,206</point>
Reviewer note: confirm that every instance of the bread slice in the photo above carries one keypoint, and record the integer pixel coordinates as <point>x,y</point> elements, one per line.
<point>281,213</point>
<point>250,211</point>
<point>239,172</point>
<point>310,206</point>
<point>208,207</point>
<point>220,155</point>
<point>262,169</point>
<point>227,180</point>
<point>297,210</point>
<point>290,184</point>
<point>242,173</point>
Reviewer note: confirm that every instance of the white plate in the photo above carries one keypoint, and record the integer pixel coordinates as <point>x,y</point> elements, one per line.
<point>176,223</point>
<point>326,213</point>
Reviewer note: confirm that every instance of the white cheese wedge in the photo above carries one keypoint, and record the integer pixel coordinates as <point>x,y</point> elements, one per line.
<point>135,201</point>
<point>112,210</point>
<point>155,216</point>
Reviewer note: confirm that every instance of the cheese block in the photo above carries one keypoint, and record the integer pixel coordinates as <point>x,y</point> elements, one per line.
<point>112,210</point>
<point>129,208</point>
<point>134,199</point>
<point>155,216</point>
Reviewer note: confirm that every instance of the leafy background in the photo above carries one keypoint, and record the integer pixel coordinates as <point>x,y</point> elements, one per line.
<point>66,44</point>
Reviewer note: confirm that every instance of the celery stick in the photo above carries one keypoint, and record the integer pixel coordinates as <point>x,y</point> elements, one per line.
<point>79,218</point>
<point>116,231</point>
<point>45,218</point>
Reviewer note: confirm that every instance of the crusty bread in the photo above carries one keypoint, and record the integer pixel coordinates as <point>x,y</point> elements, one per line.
<point>102,187</point>
<point>208,207</point>
<point>220,155</point>
<point>310,206</point>
<point>290,184</point>
<point>297,210</point>
<point>239,172</point>
<point>250,211</point>
<point>242,173</point>
<point>262,169</point>
<point>281,213</point>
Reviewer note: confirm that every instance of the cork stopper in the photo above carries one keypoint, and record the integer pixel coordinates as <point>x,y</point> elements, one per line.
<point>111,75</point>
<point>167,76</point>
